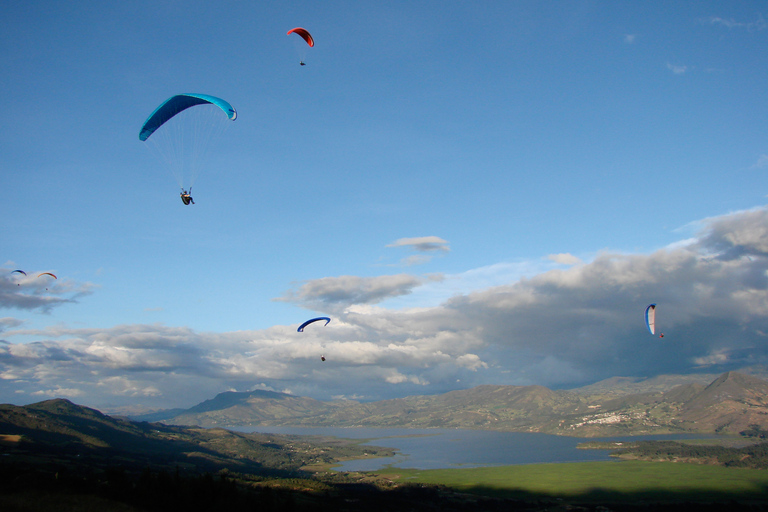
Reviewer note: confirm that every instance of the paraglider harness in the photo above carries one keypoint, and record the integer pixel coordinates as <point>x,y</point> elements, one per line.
<point>186,198</point>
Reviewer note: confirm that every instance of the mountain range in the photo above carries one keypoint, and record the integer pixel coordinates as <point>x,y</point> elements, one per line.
<point>727,403</point>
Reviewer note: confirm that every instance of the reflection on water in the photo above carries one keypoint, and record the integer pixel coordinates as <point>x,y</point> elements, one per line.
<point>451,448</point>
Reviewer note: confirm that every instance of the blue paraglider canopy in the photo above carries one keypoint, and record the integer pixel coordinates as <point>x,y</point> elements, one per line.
<point>179,103</point>
<point>302,326</point>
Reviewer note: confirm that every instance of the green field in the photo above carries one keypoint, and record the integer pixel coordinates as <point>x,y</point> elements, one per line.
<point>625,481</point>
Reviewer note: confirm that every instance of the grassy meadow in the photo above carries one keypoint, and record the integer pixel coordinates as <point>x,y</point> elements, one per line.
<point>625,481</point>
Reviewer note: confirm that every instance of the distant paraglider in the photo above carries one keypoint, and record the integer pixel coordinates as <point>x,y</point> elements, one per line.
<point>181,130</point>
<point>46,274</point>
<point>20,272</point>
<point>650,319</point>
<point>306,36</point>
<point>312,320</point>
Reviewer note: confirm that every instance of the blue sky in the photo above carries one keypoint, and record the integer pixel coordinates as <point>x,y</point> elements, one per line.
<point>429,158</point>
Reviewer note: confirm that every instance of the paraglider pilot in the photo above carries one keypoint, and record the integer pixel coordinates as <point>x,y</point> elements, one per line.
<point>185,197</point>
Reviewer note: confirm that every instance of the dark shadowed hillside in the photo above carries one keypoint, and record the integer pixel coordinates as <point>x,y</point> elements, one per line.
<point>90,438</point>
<point>56,455</point>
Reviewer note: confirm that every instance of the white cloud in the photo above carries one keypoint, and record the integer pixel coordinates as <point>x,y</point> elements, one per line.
<point>395,377</point>
<point>415,259</point>
<point>564,259</point>
<point>758,24</point>
<point>716,357</point>
<point>677,68</point>
<point>120,385</point>
<point>471,361</point>
<point>762,162</point>
<point>59,392</point>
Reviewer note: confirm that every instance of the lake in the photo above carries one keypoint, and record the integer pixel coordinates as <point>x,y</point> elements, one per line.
<point>454,448</point>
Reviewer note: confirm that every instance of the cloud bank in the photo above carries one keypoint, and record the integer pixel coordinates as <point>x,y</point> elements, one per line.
<point>560,328</point>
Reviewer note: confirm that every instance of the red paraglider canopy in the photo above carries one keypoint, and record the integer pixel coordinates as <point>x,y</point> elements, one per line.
<point>304,35</point>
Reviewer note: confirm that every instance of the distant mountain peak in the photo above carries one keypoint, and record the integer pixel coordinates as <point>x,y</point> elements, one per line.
<point>736,383</point>
<point>56,402</point>
<point>63,406</point>
<point>229,399</point>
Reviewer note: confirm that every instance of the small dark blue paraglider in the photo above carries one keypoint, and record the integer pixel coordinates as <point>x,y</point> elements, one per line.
<point>302,326</point>
<point>20,272</point>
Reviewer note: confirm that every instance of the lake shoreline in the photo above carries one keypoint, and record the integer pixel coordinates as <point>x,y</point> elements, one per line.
<point>436,448</point>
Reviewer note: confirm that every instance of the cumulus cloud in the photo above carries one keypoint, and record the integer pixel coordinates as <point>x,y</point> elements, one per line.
<point>560,327</point>
<point>630,38</point>
<point>736,235</point>
<point>160,366</point>
<point>108,364</point>
<point>471,361</point>
<point>711,299</point>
